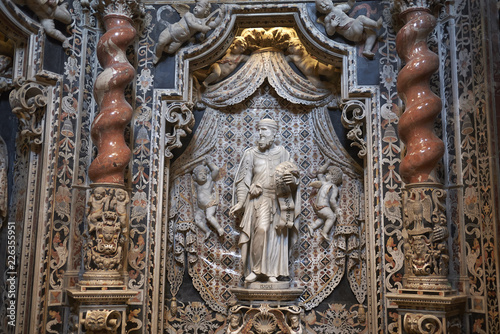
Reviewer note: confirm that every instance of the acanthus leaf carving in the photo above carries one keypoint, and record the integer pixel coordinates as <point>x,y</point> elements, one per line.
<point>28,102</point>
<point>180,117</point>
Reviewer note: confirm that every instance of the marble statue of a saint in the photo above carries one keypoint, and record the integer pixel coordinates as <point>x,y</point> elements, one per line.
<point>266,191</point>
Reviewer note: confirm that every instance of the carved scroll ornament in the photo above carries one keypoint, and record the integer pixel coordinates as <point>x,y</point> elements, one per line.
<point>181,120</point>
<point>353,119</point>
<point>28,102</point>
<point>102,321</point>
<point>422,324</point>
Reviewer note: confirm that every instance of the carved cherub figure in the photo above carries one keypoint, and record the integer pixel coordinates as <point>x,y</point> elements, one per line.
<point>309,66</point>
<point>207,198</point>
<point>326,204</point>
<point>222,68</point>
<point>353,29</point>
<point>98,203</point>
<point>176,34</point>
<point>48,11</point>
<point>119,204</point>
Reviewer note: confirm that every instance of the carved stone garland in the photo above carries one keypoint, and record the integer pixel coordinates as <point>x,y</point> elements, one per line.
<point>107,215</point>
<point>425,232</point>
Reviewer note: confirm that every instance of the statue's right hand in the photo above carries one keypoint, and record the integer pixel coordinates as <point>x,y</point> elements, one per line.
<point>255,190</point>
<point>236,209</point>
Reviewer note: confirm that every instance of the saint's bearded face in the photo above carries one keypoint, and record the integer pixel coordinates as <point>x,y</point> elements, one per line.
<point>266,137</point>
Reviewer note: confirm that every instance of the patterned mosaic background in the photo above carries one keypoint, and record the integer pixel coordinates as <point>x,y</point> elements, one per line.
<point>319,264</point>
<point>462,43</point>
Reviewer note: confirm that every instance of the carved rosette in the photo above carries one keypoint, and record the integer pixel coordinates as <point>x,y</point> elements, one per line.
<point>422,324</point>
<point>28,102</point>
<point>425,238</point>
<point>265,319</point>
<point>416,124</point>
<point>101,321</point>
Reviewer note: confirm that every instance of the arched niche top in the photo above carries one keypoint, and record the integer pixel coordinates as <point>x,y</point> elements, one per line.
<point>239,17</point>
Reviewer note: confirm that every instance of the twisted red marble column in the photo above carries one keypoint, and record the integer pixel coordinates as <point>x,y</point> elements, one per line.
<point>416,124</point>
<point>108,127</point>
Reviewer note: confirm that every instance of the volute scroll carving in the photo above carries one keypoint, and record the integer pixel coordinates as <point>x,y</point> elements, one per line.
<point>28,102</point>
<point>353,119</point>
<point>422,324</point>
<point>181,120</point>
<point>102,321</point>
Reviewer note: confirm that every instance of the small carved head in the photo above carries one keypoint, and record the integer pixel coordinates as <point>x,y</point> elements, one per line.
<point>201,9</point>
<point>239,44</point>
<point>295,47</point>
<point>121,195</point>
<point>99,193</point>
<point>267,133</point>
<point>200,174</point>
<point>234,320</point>
<point>294,321</point>
<point>334,175</point>
<point>324,6</point>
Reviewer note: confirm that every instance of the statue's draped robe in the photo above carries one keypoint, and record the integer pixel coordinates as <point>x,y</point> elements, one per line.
<point>266,247</point>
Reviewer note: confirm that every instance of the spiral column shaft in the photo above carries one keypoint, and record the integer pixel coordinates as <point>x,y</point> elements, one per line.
<point>115,112</point>
<point>416,124</point>
<point>425,227</point>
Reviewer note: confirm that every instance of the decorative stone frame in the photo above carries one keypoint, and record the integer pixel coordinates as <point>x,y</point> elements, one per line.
<point>353,96</point>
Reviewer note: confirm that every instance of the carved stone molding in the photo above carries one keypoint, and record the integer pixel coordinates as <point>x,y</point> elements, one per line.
<point>28,102</point>
<point>102,321</point>
<point>180,118</point>
<point>353,119</point>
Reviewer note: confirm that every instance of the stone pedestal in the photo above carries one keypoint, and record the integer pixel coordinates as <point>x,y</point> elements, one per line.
<point>101,310</point>
<point>429,311</point>
<point>264,307</point>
